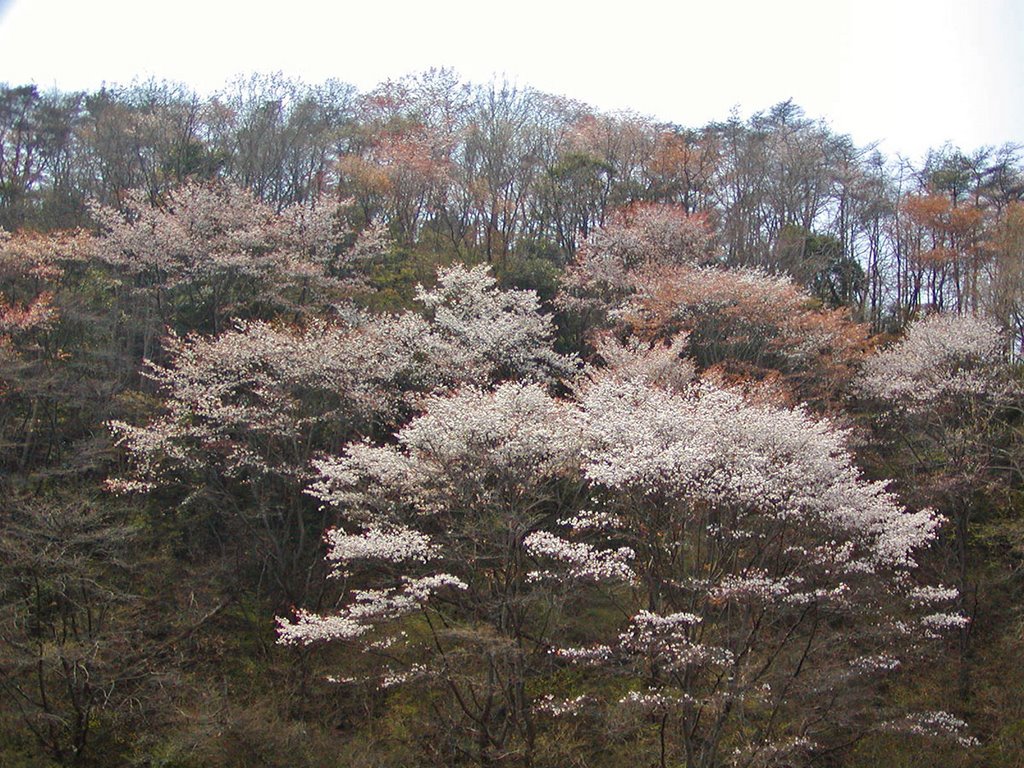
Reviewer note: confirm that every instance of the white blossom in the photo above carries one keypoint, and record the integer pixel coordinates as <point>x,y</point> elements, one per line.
<point>593,655</point>
<point>934,724</point>
<point>656,702</point>
<point>309,628</point>
<point>583,560</point>
<point>710,445</point>
<point>876,663</point>
<point>423,588</point>
<point>561,707</point>
<point>393,545</point>
<point>945,621</point>
<point>589,519</point>
<point>927,594</point>
<point>942,356</point>
<point>756,584</point>
<point>500,332</point>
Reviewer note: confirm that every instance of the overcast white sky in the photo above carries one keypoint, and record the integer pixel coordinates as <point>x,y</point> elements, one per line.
<point>914,73</point>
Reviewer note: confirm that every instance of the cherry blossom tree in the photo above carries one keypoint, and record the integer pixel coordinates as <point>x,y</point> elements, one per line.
<point>432,556</point>
<point>208,253</point>
<point>942,359</point>
<point>243,413</point>
<point>500,332</point>
<point>763,587</point>
<point>942,399</point>
<point>767,587</point>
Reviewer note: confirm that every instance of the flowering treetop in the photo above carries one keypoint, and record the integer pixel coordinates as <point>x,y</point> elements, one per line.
<point>942,356</point>
<point>499,332</point>
<point>217,245</point>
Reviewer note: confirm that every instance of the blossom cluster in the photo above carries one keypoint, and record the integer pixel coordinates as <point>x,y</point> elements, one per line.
<point>366,609</point>
<point>393,545</point>
<point>941,358</point>
<point>611,264</point>
<point>229,254</point>
<point>938,724</point>
<point>561,707</point>
<point>711,445</point>
<point>582,560</point>
<point>645,234</point>
<point>669,641</point>
<point>499,331</point>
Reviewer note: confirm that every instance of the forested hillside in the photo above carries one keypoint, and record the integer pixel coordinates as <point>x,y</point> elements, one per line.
<point>451,424</point>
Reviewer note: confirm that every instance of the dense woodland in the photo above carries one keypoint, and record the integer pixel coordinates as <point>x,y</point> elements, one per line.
<point>464,425</point>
